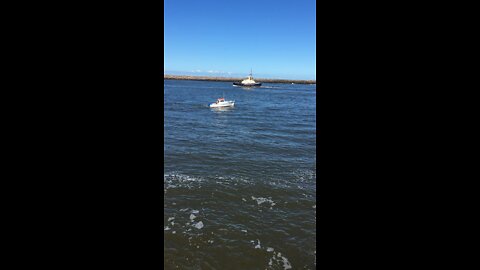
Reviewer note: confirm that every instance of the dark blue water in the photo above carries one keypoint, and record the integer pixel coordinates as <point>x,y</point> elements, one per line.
<point>240,183</point>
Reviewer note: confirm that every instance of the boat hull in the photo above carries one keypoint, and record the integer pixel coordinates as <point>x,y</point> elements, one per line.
<point>247,85</point>
<point>222,105</point>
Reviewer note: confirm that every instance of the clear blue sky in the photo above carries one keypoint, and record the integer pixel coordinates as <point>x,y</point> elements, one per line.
<point>276,38</point>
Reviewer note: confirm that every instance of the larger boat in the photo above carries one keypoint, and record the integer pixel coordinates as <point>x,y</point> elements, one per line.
<point>248,82</point>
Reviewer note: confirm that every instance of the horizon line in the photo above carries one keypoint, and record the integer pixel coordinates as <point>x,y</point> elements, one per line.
<point>226,74</point>
<point>227,79</point>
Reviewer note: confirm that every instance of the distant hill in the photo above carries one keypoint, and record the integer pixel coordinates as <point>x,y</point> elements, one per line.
<point>227,79</point>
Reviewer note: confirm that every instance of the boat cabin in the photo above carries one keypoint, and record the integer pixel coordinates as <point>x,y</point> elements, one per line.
<point>220,100</point>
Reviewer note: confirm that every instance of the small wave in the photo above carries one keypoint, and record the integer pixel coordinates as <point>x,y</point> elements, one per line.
<point>176,180</point>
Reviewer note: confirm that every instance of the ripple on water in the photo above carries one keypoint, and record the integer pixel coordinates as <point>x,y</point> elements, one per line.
<point>210,215</point>
<point>240,185</point>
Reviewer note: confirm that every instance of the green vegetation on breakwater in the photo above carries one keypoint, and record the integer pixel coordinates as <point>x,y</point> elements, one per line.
<point>226,79</point>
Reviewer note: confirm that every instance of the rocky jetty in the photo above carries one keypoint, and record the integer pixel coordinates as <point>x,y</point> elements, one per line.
<point>227,79</point>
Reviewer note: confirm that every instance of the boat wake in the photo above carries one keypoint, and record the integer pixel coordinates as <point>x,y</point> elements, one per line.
<point>222,109</point>
<point>271,87</point>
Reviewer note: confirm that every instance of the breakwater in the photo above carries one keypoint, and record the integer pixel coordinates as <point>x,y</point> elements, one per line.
<point>229,79</point>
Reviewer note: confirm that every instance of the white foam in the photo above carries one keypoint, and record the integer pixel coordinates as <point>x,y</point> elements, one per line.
<point>199,225</point>
<point>286,264</point>
<point>261,200</point>
<point>176,180</point>
<point>279,259</point>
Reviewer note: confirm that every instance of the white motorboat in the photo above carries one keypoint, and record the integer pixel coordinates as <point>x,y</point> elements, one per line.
<point>221,102</point>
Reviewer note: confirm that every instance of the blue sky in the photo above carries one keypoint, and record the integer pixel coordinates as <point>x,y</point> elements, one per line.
<point>276,38</point>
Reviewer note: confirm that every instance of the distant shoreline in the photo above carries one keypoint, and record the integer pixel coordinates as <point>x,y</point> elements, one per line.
<point>225,79</point>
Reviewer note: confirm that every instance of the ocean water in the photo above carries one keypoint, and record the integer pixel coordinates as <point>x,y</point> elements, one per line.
<point>240,183</point>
